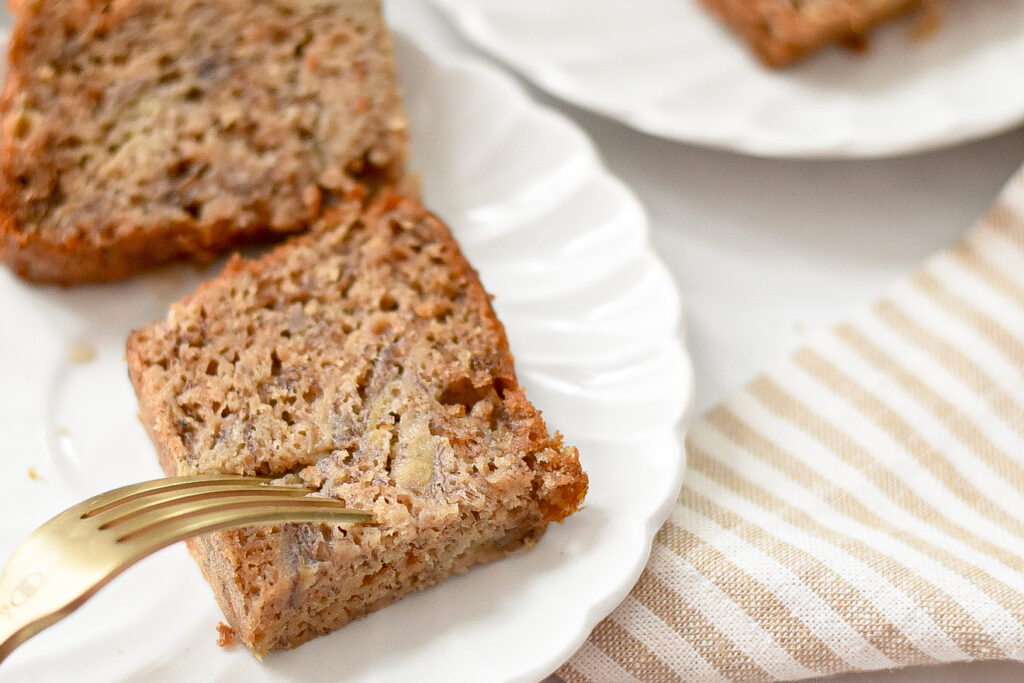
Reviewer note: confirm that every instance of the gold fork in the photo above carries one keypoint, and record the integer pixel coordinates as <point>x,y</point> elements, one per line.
<point>66,560</point>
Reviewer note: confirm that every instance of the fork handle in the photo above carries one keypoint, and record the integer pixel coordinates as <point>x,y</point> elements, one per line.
<point>39,591</point>
<point>41,585</point>
<point>21,617</point>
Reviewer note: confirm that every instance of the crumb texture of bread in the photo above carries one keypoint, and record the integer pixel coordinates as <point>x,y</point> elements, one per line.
<point>783,31</point>
<point>136,132</point>
<point>363,359</point>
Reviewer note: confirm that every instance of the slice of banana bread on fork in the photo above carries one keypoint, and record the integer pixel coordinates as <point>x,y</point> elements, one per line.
<point>365,360</point>
<point>136,132</point>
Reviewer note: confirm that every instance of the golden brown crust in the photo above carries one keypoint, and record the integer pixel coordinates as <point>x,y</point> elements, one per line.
<point>782,31</point>
<point>364,359</point>
<point>77,259</point>
<point>136,132</point>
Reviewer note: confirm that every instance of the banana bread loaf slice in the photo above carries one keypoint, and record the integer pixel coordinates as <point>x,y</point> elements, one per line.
<point>364,359</point>
<point>141,131</point>
<point>781,31</point>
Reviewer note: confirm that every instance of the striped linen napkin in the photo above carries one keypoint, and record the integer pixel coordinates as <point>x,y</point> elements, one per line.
<point>858,507</point>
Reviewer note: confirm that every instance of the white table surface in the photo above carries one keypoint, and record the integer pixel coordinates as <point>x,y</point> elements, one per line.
<point>767,251</point>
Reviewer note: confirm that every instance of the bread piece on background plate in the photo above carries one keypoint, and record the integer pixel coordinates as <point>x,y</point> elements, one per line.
<point>136,132</point>
<point>782,31</point>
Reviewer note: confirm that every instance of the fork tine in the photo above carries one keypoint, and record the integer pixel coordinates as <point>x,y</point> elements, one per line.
<point>151,538</point>
<point>180,515</point>
<point>114,514</point>
<point>124,494</point>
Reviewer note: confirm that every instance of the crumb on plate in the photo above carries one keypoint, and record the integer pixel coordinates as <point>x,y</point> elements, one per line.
<point>225,635</point>
<point>81,353</point>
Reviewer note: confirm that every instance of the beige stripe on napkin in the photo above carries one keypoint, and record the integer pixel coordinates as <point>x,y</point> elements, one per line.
<point>858,507</point>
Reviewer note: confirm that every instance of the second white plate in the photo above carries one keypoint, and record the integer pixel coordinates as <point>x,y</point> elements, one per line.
<point>668,68</point>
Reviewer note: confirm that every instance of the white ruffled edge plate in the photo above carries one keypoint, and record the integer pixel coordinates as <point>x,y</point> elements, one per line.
<point>666,67</point>
<point>592,316</point>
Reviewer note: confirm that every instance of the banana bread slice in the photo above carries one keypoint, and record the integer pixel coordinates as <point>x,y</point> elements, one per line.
<point>782,31</point>
<point>364,359</point>
<point>141,131</point>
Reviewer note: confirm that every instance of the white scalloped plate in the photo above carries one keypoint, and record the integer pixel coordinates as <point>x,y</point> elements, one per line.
<point>592,317</point>
<point>668,68</point>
